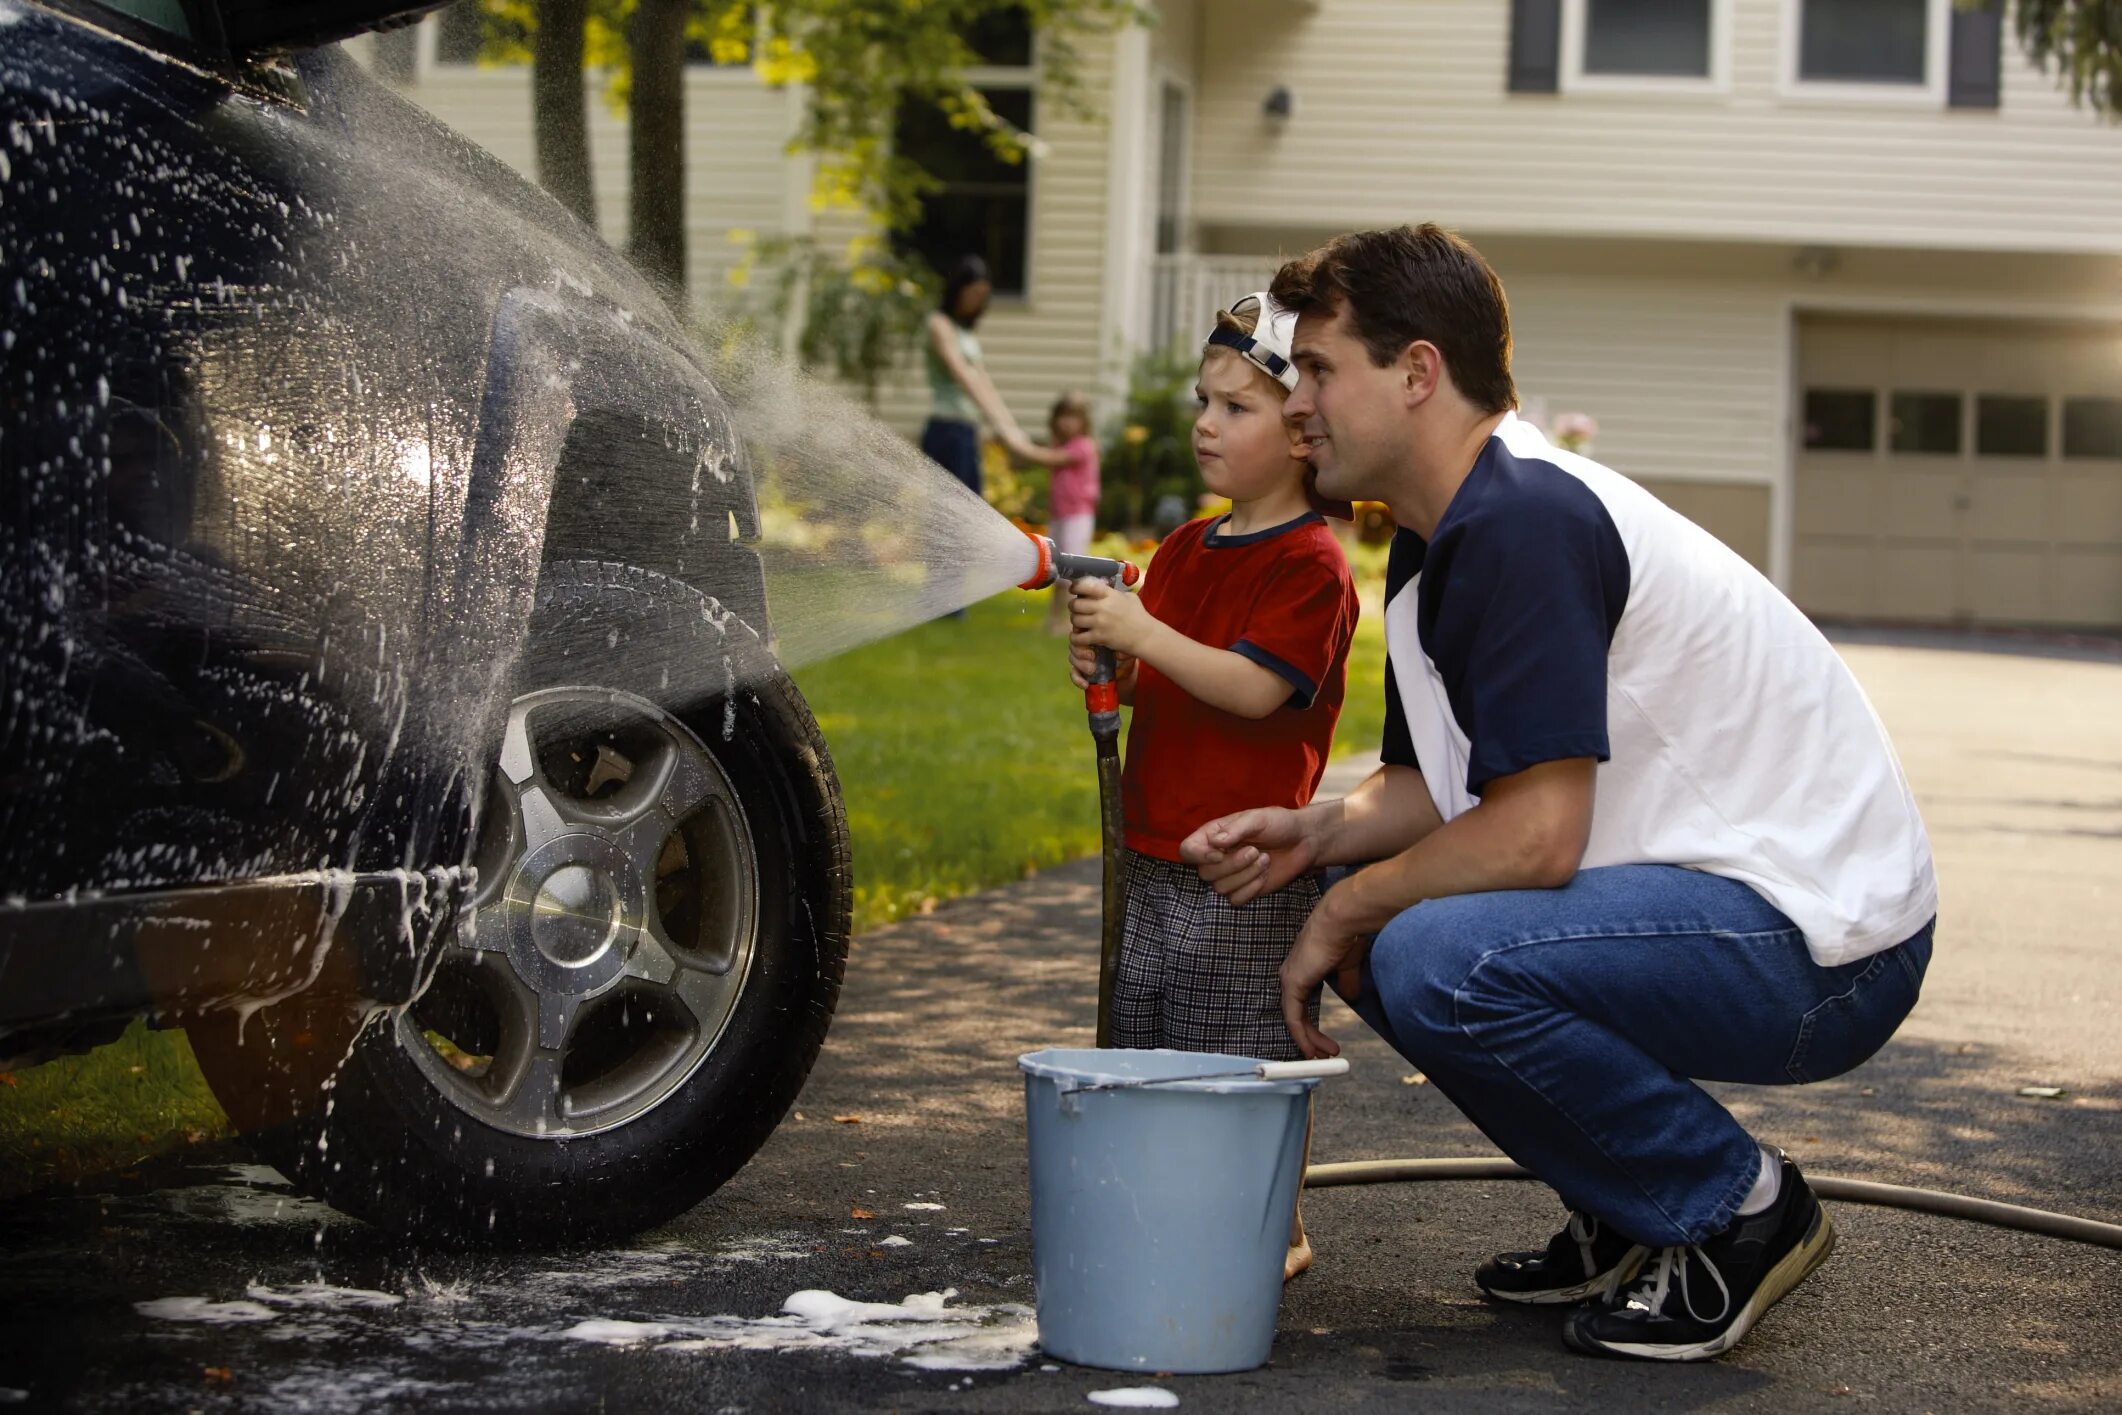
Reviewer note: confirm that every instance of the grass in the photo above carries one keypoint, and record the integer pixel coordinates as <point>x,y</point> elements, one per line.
<point>965,764</point>
<point>140,1096</point>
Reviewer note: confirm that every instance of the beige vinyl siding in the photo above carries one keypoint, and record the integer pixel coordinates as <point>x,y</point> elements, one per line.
<point>1685,378</point>
<point>737,171</point>
<point>1402,113</point>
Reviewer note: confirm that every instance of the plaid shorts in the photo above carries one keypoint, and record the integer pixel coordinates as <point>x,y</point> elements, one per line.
<point>1198,975</point>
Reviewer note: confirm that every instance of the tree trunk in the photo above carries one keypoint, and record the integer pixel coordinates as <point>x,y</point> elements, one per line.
<point>559,109</point>
<point>656,133</point>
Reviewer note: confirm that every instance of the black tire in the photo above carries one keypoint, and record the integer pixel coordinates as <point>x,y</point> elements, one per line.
<point>394,1147</point>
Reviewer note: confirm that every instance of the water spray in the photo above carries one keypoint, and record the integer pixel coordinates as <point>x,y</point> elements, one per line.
<point>1101,700</point>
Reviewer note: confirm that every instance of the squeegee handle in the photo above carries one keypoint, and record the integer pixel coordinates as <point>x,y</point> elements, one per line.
<point>1302,1070</point>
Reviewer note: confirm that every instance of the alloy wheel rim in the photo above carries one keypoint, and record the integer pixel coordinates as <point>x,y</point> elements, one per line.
<point>613,928</point>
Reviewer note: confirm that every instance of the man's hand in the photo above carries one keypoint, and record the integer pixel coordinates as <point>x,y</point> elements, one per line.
<point>1325,948</point>
<point>1108,618</point>
<point>1251,853</point>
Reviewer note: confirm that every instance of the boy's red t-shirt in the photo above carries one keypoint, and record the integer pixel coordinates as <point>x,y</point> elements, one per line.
<point>1284,598</point>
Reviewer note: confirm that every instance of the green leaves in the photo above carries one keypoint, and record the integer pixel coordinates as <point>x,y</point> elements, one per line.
<point>2082,41</point>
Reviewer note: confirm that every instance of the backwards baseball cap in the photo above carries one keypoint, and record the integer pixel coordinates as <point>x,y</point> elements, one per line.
<point>1267,348</point>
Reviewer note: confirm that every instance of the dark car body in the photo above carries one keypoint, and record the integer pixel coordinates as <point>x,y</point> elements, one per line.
<point>299,392</point>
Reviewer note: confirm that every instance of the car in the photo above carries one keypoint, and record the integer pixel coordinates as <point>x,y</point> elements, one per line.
<point>389,692</point>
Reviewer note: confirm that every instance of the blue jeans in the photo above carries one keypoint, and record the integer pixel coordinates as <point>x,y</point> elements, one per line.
<point>955,446</point>
<point>1566,1023</point>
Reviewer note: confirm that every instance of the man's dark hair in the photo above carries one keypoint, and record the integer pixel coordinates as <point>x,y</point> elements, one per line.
<point>1410,283</point>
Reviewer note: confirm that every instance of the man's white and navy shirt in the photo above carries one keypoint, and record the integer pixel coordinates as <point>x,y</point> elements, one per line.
<point>1560,611</point>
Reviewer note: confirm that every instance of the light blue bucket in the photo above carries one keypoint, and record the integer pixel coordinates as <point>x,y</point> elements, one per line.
<point>1160,1207</point>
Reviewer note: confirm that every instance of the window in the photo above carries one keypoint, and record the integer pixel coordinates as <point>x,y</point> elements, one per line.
<point>2011,427</point>
<point>1864,41</point>
<point>1925,422</point>
<point>984,205</point>
<point>1647,38</point>
<point>1644,46</point>
<point>1841,420</point>
<point>1171,169</point>
<point>2092,427</point>
<point>1002,38</point>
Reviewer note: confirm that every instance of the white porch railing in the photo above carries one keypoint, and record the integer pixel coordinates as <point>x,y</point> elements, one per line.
<point>1187,290</point>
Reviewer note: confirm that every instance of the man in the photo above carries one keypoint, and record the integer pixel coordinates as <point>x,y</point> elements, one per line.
<point>1636,822</point>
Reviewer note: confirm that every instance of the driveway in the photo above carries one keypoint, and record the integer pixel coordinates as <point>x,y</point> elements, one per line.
<point>903,1173</point>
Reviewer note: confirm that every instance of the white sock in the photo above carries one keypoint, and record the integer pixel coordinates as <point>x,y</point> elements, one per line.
<point>1767,1184</point>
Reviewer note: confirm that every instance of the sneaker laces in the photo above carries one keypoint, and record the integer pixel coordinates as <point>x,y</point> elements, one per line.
<point>1655,1285</point>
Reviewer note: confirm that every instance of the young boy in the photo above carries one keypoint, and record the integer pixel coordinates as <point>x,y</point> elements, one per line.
<point>1234,656</point>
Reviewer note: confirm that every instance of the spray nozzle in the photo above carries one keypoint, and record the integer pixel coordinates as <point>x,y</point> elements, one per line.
<point>1053,566</point>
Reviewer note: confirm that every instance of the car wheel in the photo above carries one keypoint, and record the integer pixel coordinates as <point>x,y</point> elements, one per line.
<point>634,996</point>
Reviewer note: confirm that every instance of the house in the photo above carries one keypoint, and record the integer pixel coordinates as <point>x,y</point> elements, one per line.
<point>1839,279</point>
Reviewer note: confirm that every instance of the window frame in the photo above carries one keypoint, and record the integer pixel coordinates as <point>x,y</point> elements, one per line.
<point>1931,93</point>
<point>1023,78</point>
<point>1716,83</point>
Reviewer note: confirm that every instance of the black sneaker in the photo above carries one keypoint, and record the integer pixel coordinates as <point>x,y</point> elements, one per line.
<point>1694,1302</point>
<point>1585,1260</point>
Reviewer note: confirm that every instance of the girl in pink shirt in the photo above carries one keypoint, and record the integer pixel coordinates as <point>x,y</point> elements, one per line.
<point>1072,495</point>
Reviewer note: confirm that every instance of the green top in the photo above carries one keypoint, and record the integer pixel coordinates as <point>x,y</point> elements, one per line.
<point>946,399</point>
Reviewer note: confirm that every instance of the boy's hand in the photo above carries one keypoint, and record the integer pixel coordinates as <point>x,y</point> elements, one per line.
<point>1324,948</point>
<point>1107,617</point>
<point>1082,662</point>
<point>1251,853</point>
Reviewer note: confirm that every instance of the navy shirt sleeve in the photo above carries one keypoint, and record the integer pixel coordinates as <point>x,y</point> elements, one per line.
<point>1401,566</point>
<point>1520,603</point>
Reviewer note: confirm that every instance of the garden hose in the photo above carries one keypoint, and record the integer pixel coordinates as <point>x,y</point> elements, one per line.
<point>1114,830</point>
<point>1849,1191</point>
<point>1101,701</point>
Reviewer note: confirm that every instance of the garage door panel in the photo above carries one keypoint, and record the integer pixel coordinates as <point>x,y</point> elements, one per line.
<point>1837,496</point>
<point>1922,502</point>
<point>2008,585</point>
<point>1835,578</point>
<point>1994,525</point>
<point>1918,581</point>
<point>2009,503</point>
<point>2088,586</point>
<point>2089,508</point>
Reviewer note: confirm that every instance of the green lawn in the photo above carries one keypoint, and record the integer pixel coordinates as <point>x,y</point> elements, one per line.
<point>965,761</point>
<point>140,1096</point>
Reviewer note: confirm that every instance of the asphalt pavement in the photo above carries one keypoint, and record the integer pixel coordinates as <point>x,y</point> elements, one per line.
<point>209,1286</point>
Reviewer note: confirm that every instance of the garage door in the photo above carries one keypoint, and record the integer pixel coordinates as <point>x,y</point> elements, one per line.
<point>1959,473</point>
